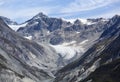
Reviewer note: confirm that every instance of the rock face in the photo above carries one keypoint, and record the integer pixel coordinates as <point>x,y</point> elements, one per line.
<point>22,60</point>
<point>106,73</point>
<point>92,66</point>
<point>70,40</point>
<point>56,31</point>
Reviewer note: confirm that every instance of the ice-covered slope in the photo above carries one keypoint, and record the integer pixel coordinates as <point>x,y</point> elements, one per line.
<point>70,49</point>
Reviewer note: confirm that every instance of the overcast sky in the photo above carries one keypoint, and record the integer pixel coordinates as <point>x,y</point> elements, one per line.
<point>21,10</point>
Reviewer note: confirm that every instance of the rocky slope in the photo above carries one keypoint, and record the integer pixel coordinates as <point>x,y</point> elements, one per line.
<point>106,52</point>
<point>56,31</point>
<point>106,73</point>
<point>22,60</point>
<point>52,43</point>
<point>70,40</point>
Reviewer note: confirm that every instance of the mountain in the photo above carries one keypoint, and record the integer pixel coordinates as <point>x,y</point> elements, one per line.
<point>8,21</point>
<point>56,30</point>
<point>69,40</point>
<point>46,49</point>
<point>100,63</point>
<point>112,26</point>
<point>22,60</point>
<point>12,24</point>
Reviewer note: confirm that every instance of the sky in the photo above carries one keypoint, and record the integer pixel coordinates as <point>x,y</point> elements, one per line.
<point>22,10</point>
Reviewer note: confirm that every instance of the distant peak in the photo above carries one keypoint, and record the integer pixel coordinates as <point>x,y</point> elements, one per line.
<point>77,21</point>
<point>83,21</point>
<point>40,15</point>
<point>8,21</point>
<point>116,16</point>
<point>4,18</point>
<point>97,19</point>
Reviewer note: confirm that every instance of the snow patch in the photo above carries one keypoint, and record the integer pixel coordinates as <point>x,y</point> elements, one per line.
<point>35,23</point>
<point>16,27</point>
<point>69,43</point>
<point>85,21</point>
<point>28,37</point>
<point>66,52</point>
<point>83,42</point>
<point>48,32</point>
<point>77,32</point>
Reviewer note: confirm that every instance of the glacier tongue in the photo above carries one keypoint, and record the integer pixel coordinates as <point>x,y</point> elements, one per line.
<point>70,49</point>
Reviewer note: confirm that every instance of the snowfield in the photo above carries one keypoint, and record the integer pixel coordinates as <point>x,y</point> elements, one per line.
<point>16,27</point>
<point>69,50</point>
<point>83,21</point>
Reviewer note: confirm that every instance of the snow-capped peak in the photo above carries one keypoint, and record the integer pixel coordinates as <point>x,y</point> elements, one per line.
<point>69,20</point>
<point>83,21</point>
<point>40,15</point>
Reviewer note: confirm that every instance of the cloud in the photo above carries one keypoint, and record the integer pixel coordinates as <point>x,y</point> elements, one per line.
<point>1,2</point>
<point>4,1</point>
<point>25,13</point>
<point>74,8</point>
<point>85,5</point>
<point>107,14</point>
<point>14,10</point>
<point>47,0</point>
